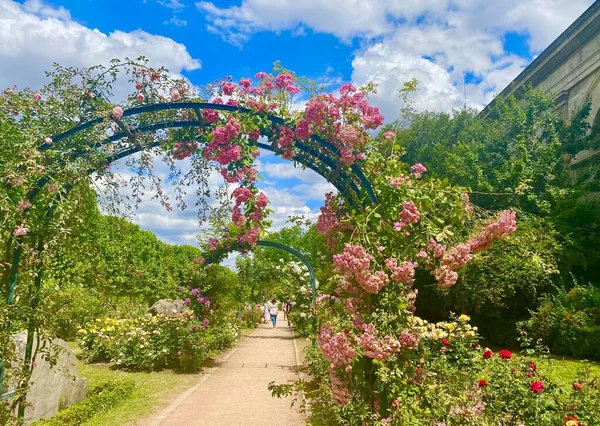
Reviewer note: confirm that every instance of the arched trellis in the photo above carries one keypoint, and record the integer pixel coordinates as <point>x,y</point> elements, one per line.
<point>303,259</point>
<point>324,158</point>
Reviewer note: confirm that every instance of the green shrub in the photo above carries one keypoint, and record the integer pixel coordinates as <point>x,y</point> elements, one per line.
<point>147,342</point>
<point>569,322</point>
<point>101,398</point>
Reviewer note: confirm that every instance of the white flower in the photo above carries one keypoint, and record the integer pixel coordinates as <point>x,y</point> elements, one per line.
<point>303,314</point>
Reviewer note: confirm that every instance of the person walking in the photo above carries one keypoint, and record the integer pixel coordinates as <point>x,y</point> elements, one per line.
<point>273,310</point>
<point>266,315</point>
<point>287,307</point>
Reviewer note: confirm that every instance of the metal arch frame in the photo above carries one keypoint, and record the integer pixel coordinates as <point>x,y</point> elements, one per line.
<point>197,106</point>
<point>330,157</point>
<point>303,259</point>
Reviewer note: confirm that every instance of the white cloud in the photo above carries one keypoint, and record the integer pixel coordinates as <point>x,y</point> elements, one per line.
<point>436,41</point>
<point>171,4</point>
<point>34,35</point>
<point>176,21</point>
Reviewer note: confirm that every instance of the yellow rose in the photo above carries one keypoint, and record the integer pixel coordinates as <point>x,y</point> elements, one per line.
<point>470,333</point>
<point>464,318</point>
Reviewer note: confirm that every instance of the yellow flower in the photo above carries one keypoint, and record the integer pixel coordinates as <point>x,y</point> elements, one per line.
<point>470,333</point>
<point>464,318</point>
<point>451,326</point>
<point>475,329</point>
<point>82,331</point>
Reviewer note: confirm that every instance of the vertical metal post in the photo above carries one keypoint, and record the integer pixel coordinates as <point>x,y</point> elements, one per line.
<point>35,299</point>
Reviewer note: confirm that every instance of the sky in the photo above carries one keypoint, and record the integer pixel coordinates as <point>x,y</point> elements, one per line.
<point>452,47</point>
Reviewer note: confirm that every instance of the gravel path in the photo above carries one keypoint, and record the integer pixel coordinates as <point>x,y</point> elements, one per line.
<point>233,390</point>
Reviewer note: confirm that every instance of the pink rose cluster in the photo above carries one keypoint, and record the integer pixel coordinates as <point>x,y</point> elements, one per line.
<point>184,149</point>
<point>342,120</point>
<point>328,223</point>
<point>408,215</point>
<point>221,148</point>
<point>338,350</point>
<point>355,264</point>
<point>457,257</point>
<point>417,171</point>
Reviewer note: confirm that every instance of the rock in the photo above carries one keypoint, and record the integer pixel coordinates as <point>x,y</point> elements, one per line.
<point>52,387</point>
<point>168,307</point>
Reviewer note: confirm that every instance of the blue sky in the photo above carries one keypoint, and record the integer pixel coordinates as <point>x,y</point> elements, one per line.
<point>440,42</point>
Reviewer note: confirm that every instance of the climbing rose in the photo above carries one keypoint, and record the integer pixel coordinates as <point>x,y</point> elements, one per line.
<point>228,88</point>
<point>347,157</point>
<point>210,115</point>
<point>175,94</point>
<point>303,130</point>
<point>20,231</point>
<point>505,354</point>
<point>286,137</point>
<point>536,387</point>
<point>262,201</point>
<point>48,141</point>
<point>117,112</point>
<point>37,97</point>
<point>140,97</point>
<point>24,204</point>
<point>389,135</point>
<point>417,170</point>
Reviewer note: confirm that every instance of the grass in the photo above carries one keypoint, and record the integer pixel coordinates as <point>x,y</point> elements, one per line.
<point>564,370</point>
<point>152,391</point>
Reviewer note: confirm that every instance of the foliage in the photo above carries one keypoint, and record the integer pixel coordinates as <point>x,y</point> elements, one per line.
<point>569,322</point>
<point>99,399</point>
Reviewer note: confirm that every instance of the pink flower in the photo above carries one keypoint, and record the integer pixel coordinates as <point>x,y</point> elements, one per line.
<point>380,248</point>
<point>52,187</point>
<point>417,170</point>
<point>245,82</point>
<point>20,231</point>
<point>24,204</point>
<point>422,254</point>
<point>347,89</point>
<point>347,157</point>
<point>261,75</point>
<point>210,115</point>
<point>360,156</point>
<point>117,112</point>
<point>175,95</point>
<point>303,130</point>
<point>229,88</point>
<point>140,97</point>
<point>139,86</point>
<point>48,141</point>
<point>389,135</point>
<point>262,201</point>
<point>37,97</point>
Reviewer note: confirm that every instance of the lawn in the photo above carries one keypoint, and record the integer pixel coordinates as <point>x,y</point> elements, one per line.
<point>564,370</point>
<point>152,391</point>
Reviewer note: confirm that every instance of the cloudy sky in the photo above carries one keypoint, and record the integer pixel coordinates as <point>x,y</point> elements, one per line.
<point>442,43</point>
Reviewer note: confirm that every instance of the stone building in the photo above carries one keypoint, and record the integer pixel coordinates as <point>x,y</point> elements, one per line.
<point>569,68</point>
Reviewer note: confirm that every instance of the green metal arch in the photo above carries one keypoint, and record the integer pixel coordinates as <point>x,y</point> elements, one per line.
<point>303,259</point>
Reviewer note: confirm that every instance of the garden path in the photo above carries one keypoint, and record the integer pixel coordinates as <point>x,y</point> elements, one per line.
<point>233,390</point>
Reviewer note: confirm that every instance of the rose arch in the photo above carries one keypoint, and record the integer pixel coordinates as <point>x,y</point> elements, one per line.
<point>200,120</point>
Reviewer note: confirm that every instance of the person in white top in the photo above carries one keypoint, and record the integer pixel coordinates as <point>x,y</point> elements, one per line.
<point>272,308</point>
